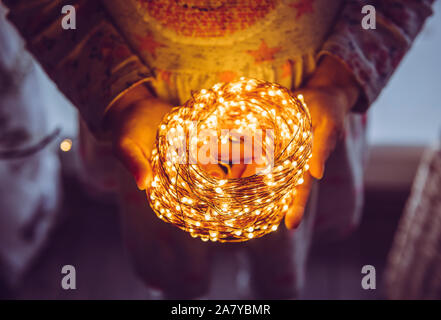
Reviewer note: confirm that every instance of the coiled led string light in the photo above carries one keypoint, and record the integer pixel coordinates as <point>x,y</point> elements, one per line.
<point>222,205</point>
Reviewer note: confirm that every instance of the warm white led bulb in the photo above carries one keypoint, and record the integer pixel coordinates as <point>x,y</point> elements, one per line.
<point>227,162</point>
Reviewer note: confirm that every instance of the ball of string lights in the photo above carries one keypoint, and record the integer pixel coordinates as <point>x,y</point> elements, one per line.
<point>226,164</point>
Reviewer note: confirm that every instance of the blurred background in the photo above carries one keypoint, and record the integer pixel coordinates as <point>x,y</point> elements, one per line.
<point>405,121</point>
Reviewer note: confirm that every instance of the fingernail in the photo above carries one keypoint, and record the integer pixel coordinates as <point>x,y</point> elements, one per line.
<point>142,185</point>
<point>296,225</point>
<point>292,225</point>
<point>293,220</point>
<point>288,224</point>
<point>321,172</point>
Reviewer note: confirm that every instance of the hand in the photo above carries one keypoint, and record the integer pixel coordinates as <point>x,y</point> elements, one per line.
<point>329,95</point>
<point>163,256</point>
<point>134,120</point>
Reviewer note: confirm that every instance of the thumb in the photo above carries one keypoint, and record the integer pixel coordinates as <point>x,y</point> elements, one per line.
<point>301,196</point>
<point>323,143</point>
<point>135,160</point>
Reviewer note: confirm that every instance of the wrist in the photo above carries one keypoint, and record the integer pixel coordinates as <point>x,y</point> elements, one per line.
<point>333,76</point>
<point>135,94</point>
<point>129,99</point>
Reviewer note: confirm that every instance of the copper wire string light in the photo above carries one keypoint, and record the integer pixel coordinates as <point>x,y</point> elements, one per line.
<point>222,205</point>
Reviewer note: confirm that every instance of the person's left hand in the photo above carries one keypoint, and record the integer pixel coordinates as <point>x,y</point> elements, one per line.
<point>329,95</point>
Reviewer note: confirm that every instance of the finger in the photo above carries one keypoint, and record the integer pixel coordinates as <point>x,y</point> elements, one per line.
<point>134,159</point>
<point>295,212</point>
<point>324,142</point>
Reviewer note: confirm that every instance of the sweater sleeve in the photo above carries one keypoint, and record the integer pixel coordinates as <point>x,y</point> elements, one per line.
<point>372,55</point>
<point>92,65</point>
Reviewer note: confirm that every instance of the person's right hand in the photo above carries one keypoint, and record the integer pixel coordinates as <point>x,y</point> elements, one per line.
<point>133,121</point>
<point>180,265</point>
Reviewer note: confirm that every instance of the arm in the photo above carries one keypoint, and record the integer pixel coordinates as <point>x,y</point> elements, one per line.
<point>97,70</point>
<point>92,65</point>
<point>354,66</point>
<point>371,56</point>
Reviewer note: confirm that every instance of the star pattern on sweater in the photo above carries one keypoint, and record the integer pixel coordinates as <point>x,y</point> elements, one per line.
<point>148,44</point>
<point>303,7</point>
<point>263,53</point>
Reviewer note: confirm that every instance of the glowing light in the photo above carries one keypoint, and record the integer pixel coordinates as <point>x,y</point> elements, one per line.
<point>66,145</point>
<point>226,209</point>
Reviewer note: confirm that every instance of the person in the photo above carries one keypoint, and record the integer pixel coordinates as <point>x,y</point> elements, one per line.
<point>128,62</point>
